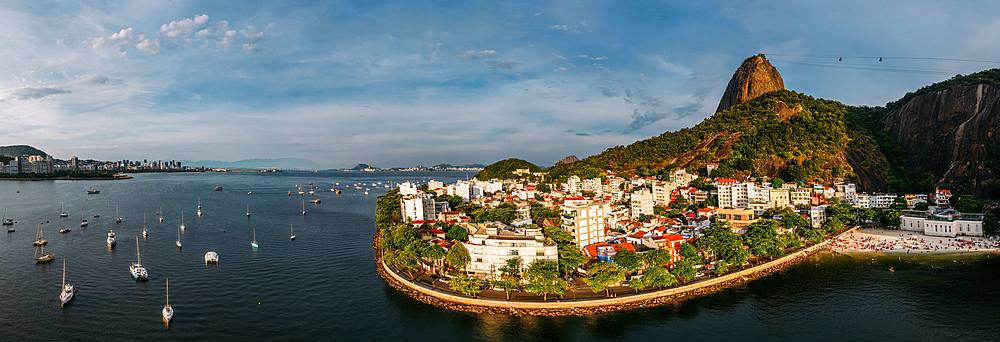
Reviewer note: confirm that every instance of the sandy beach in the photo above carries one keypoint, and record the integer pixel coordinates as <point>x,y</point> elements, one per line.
<point>907,242</point>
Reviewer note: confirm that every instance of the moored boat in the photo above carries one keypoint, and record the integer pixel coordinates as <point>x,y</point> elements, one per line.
<point>168,311</point>
<point>67,289</point>
<point>138,272</point>
<point>211,257</point>
<point>111,238</point>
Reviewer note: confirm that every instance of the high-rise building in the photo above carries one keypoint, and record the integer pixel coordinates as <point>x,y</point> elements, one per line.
<point>585,222</point>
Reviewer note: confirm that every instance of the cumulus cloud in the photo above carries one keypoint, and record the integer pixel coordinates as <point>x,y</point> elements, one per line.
<point>559,27</point>
<point>184,26</point>
<point>149,45</point>
<point>600,58</point>
<point>582,56</point>
<point>250,47</point>
<point>561,69</point>
<point>473,54</point>
<point>125,34</point>
<point>99,80</point>
<point>508,64</point>
<point>29,93</point>
<point>559,56</point>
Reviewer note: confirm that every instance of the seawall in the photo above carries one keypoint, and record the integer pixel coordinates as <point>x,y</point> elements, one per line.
<point>587,307</point>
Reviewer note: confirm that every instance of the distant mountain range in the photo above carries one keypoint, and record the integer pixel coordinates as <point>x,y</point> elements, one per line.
<point>20,150</point>
<point>261,163</point>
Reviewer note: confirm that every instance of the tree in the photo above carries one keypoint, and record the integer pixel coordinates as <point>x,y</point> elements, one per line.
<point>434,252</point>
<point>388,211</point>
<point>889,218</point>
<point>458,256</point>
<point>777,183</point>
<point>791,221</point>
<point>457,233</point>
<point>789,240</point>
<point>810,234</point>
<point>660,211</point>
<point>644,217</point>
<point>833,224</point>
<point>721,240</point>
<point>991,224</point>
<point>721,267</point>
<point>638,283</point>
<point>602,275</point>
<point>542,278</point>
<point>659,277</point>
<point>688,251</point>
<point>627,259</point>
<point>923,206</point>
<point>761,238</point>
<point>656,257</point>
<point>683,270</point>
<point>967,204</point>
<point>557,235</point>
<point>404,260</point>
<point>543,187</point>
<point>468,285</point>
<point>510,276</point>
<point>679,203</point>
<point>570,258</point>
<point>738,257</point>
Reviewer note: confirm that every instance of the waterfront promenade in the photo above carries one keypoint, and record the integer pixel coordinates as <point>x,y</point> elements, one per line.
<point>582,301</point>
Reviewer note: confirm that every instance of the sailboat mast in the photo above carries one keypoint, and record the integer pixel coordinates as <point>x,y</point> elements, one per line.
<point>138,259</point>
<point>168,291</point>
<point>64,273</point>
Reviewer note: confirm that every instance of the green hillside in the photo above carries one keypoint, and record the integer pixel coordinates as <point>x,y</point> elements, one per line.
<point>749,139</point>
<point>19,150</point>
<point>504,169</point>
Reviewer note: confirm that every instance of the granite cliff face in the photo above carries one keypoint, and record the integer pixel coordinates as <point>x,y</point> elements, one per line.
<point>754,78</point>
<point>945,132</point>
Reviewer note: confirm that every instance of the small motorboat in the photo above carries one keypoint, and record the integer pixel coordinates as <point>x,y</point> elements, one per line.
<point>211,257</point>
<point>218,188</point>
<point>65,230</point>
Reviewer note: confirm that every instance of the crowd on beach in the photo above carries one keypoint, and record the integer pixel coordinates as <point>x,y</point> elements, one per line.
<point>916,243</point>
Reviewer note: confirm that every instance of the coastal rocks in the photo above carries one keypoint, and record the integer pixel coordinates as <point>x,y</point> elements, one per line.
<point>754,78</point>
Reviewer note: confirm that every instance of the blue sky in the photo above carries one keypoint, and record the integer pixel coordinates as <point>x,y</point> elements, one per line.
<point>407,83</point>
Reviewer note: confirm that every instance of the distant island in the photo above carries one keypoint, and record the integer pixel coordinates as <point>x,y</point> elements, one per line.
<point>439,167</point>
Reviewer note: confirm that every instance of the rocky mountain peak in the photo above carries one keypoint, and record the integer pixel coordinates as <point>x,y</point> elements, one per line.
<point>754,78</point>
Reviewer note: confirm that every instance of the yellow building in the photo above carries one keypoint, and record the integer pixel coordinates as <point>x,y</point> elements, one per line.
<point>738,219</point>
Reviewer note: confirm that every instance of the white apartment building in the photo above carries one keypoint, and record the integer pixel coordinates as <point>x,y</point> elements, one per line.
<point>594,185</point>
<point>585,222</point>
<point>661,192</point>
<point>947,223</point>
<point>736,196</point>
<point>883,200</point>
<point>801,196</point>
<point>641,203</point>
<point>847,192</point>
<point>407,188</point>
<point>780,198</point>
<point>863,201</point>
<point>418,208</point>
<point>491,244</point>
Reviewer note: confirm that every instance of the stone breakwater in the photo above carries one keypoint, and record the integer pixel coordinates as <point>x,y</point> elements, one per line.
<point>587,307</point>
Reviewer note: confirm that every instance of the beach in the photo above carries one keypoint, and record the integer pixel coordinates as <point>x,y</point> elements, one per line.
<point>908,242</point>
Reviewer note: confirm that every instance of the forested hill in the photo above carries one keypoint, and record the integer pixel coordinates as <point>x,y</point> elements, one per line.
<point>19,150</point>
<point>780,134</point>
<point>505,169</point>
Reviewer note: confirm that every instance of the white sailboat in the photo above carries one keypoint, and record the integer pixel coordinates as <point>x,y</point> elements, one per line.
<point>83,220</point>
<point>118,218</point>
<point>144,233</point>
<point>63,213</point>
<point>182,220</point>
<point>248,209</point>
<point>199,206</point>
<point>41,240</point>
<point>178,238</point>
<point>7,221</point>
<point>158,214</point>
<point>254,242</point>
<point>138,272</point>
<point>168,311</point>
<point>67,289</point>
<point>303,206</point>
<point>292,230</point>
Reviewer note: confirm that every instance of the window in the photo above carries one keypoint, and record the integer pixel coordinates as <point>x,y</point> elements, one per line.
<point>539,253</point>
<point>513,252</point>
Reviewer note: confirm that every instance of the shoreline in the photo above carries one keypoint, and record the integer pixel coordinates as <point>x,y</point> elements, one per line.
<point>558,307</point>
<point>900,242</point>
<point>33,179</point>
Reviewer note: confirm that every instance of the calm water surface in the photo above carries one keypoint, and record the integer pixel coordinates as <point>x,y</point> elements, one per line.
<point>323,285</point>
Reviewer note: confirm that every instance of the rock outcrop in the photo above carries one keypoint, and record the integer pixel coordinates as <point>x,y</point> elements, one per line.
<point>945,132</point>
<point>754,78</point>
<point>568,160</point>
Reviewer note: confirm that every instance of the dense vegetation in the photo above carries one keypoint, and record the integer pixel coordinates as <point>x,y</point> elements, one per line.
<point>747,139</point>
<point>504,169</point>
<point>20,150</point>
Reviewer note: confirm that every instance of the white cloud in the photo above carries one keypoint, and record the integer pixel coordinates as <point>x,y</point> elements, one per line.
<point>473,54</point>
<point>250,47</point>
<point>561,69</point>
<point>149,45</point>
<point>508,64</point>
<point>183,27</point>
<point>559,56</point>
<point>98,79</point>
<point>559,27</point>
<point>600,58</point>
<point>29,93</point>
<point>582,56</point>
<point>125,34</point>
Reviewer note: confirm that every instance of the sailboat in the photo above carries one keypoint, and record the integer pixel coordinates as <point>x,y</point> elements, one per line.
<point>254,242</point>
<point>182,220</point>
<point>178,239</point>
<point>158,211</point>
<point>138,272</point>
<point>303,206</point>
<point>7,221</point>
<point>67,289</point>
<point>199,206</point>
<point>118,218</point>
<point>41,240</point>
<point>111,239</point>
<point>144,233</point>
<point>168,311</point>
<point>83,221</point>
<point>44,257</point>
<point>248,209</point>
<point>292,230</point>
<point>158,214</point>
<point>63,212</point>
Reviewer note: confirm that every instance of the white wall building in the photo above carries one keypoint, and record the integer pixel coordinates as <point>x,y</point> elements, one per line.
<point>418,208</point>
<point>641,202</point>
<point>585,222</point>
<point>491,244</point>
<point>947,223</point>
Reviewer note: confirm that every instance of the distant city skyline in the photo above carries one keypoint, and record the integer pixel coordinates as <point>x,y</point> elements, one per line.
<point>415,83</point>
